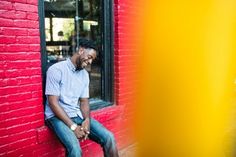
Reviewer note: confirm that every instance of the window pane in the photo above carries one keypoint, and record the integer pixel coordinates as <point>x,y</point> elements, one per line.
<point>62,28</point>
<point>47,29</point>
<point>65,22</point>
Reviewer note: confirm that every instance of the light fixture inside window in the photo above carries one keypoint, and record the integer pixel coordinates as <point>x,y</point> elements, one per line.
<point>87,24</point>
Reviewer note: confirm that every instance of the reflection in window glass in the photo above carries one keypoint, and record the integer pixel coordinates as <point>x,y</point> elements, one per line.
<point>47,29</point>
<point>62,28</point>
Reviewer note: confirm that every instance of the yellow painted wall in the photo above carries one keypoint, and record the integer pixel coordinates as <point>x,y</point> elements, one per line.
<point>187,68</point>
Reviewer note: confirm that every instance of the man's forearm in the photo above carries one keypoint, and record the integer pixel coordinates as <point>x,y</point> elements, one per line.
<point>85,108</point>
<point>58,110</point>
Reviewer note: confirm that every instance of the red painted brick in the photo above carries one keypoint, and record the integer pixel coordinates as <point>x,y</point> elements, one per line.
<point>12,81</point>
<point>4,106</point>
<point>35,63</point>
<point>37,123</point>
<point>9,73</point>
<point>22,151</point>
<point>34,47</point>
<point>3,65</point>
<point>7,14</point>
<point>6,91</point>
<point>37,94</point>
<point>34,2</point>
<point>10,122</point>
<point>18,64</point>
<point>20,15</point>
<point>18,113</point>
<point>32,56</point>
<point>5,5</point>
<point>3,99</point>
<point>53,146</point>
<point>12,14</point>
<point>33,32</point>
<point>27,40</point>
<point>17,48</point>
<point>18,136</point>
<point>93,150</point>
<point>13,31</point>
<point>19,97</point>
<point>6,22</point>
<point>126,68</point>
<point>7,39</point>
<point>24,142</point>
<point>26,7</point>
<point>19,89</point>
<point>2,47</point>
<point>27,103</point>
<point>26,24</point>
<point>44,133</point>
<point>3,149</point>
<point>32,16</point>
<point>15,129</point>
<point>9,57</point>
<point>51,153</point>
<point>21,1</point>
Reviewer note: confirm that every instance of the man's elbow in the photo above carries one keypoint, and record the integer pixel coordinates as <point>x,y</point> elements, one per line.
<point>52,100</point>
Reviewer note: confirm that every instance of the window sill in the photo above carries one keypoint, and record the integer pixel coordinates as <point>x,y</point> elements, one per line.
<point>96,104</point>
<point>44,134</point>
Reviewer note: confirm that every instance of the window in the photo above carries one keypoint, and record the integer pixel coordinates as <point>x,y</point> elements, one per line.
<point>62,22</point>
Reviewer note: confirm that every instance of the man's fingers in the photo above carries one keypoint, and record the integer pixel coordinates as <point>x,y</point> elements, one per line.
<point>83,133</point>
<point>86,137</point>
<point>85,130</point>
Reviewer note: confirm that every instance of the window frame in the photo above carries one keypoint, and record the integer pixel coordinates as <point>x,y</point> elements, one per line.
<point>107,53</point>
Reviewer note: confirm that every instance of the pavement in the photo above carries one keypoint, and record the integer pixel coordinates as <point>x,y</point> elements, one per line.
<point>128,151</point>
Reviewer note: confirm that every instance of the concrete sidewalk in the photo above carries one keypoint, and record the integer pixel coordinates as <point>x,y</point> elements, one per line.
<point>128,151</point>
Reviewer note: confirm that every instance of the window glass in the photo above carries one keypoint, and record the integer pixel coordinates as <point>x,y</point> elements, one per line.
<point>47,29</point>
<point>62,28</point>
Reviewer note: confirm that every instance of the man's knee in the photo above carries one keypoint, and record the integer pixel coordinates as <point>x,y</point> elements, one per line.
<point>110,139</point>
<point>73,150</point>
<point>110,148</point>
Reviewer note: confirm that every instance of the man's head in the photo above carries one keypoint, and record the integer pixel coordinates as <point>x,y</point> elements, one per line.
<point>85,54</point>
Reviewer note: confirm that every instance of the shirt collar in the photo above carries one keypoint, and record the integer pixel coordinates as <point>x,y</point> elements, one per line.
<point>70,65</point>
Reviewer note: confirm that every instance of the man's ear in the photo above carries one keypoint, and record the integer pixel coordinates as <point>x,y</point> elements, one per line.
<point>81,51</point>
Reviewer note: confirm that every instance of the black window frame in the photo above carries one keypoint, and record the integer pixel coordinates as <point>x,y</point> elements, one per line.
<point>107,53</point>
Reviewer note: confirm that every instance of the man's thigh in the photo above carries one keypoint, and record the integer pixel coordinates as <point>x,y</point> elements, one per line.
<point>63,132</point>
<point>98,132</point>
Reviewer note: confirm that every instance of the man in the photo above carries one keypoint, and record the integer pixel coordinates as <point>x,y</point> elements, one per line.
<point>67,109</point>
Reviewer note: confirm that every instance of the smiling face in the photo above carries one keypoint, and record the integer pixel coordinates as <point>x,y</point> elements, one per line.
<point>85,58</point>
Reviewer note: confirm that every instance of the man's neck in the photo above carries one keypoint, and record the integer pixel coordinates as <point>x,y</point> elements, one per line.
<point>72,59</point>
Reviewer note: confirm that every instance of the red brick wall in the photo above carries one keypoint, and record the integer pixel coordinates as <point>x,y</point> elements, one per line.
<point>22,129</point>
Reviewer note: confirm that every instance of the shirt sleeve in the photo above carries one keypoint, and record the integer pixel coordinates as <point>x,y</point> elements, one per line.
<point>53,82</point>
<point>85,91</point>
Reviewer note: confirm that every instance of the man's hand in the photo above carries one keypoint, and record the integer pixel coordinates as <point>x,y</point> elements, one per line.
<point>79,132</point>
<point>85,109</point>
<point>86,127</point>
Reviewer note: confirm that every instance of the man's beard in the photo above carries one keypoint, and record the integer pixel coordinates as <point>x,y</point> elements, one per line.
<point>79,67</point>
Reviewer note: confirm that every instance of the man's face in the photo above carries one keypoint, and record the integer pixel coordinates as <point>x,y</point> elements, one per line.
<point>86,58</point>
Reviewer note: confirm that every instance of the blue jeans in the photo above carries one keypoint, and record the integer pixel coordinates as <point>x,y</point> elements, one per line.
<point>98,133</point>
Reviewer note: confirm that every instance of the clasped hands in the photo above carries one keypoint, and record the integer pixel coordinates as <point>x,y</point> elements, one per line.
<point>82,131</point>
